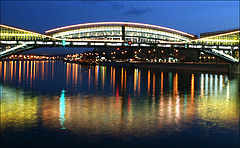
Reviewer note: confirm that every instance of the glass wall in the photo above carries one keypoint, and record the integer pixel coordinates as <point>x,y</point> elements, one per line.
<point>134,34</point>
<point>12,34</point>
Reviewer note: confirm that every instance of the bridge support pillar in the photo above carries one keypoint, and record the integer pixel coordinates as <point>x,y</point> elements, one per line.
<point>234,68</point>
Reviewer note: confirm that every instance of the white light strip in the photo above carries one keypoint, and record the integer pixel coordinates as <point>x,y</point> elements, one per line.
<point>134,44</point>
<point>161,45</point>
<point>195,46</point>
<point>29,42</point>
<point>114,44</point>
<point>236,47</point>
<point>93,40</point>
<point>225,47</point>
<point>58,43</point>
<point>80,43</point>
<point>67,43</point>
<point>146,45</point>
<point>118,23</point>
<point>12,49</point>
<point>100,44</point>
<point>8,42</point>
<point>44,43</point>
<point>166,42</point>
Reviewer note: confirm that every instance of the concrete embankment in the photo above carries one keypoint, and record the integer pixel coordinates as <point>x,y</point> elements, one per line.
<point>203,67</point>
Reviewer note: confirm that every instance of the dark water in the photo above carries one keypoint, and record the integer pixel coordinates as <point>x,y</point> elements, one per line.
<point>57,104</point>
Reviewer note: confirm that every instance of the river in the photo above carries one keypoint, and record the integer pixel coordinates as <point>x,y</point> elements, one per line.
<point>53,103</point>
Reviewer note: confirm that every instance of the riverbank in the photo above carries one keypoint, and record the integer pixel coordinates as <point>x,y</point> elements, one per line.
<point>191,66</point>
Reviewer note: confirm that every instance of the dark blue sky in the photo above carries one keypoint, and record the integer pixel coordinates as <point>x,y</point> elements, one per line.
<point>192,17</point>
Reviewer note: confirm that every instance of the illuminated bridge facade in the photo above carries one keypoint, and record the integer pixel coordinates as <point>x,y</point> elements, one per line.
<point>120,31</point>
<point>119,34</point>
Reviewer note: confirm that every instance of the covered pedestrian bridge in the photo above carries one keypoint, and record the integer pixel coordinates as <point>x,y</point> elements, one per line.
<point>119,34</point>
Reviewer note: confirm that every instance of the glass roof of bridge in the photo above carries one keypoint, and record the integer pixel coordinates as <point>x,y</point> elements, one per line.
<point>141,25</point>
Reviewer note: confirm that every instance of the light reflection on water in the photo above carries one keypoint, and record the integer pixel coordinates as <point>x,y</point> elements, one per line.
<point>116,101</point>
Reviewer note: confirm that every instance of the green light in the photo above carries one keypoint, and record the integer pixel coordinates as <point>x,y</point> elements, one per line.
<point>185,45</point>
<point>62,110</point>
<point>63,42</point>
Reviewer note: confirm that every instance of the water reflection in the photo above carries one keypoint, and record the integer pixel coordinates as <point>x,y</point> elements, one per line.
<point>62,109</point>
<point>115,100</point>
<point>18,110</point>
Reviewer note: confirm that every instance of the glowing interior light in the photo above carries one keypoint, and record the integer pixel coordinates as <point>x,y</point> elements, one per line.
<point>33,33</point>
<point>229,33</point>
<point>119,23</point>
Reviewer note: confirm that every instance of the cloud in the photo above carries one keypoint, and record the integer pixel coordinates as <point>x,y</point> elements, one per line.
<point>117,6</point>
<point>137,11</point>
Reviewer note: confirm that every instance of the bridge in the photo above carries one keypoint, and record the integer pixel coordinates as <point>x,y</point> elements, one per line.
<point>119,34</point>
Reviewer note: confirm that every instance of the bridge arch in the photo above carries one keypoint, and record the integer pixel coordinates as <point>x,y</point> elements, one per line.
<point>120,32</point>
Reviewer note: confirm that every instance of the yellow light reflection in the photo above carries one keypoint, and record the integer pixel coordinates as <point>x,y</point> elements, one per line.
<point>53,63</point>
<point>31,69</point>
<point>103,76</point>
<point>76,74</point>
<point>218,110</point>
<point>34,73</point>
<point>111,77</point>
<point>5,71</point>
<point>20,71</point>
<point>192,88</point>
<point>15,69</point>
<point>17,109</point>
<point>27,69</point>
<point>114,75</point>
<point>175,85</point>
<point>96,75</point>
<point>72,76</point>
<point>125,80</point>
<point>161,82</point>
<point>122,79</point>
<point>153,93</point>
<point>11,66</point>
<point>139,81</point>
<point>89,78</point>
<point>42,70</point>
<point>68,73</point>
<point>149,81</point>
<point>24,70</point>
<point>135,80</point>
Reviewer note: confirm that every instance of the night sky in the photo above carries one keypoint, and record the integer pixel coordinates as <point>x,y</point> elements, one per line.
<point>191,17</point>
